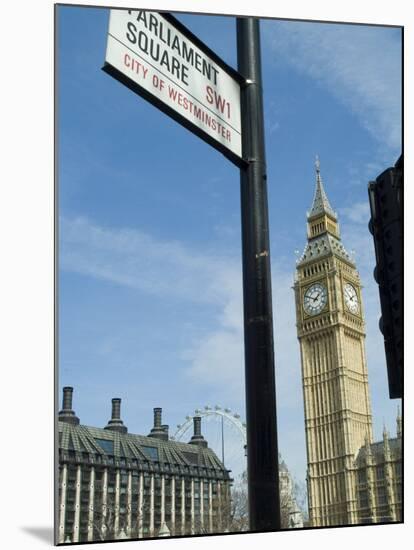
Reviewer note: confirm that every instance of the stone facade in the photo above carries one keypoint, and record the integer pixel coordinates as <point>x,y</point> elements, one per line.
<point>115,485</point>
<point>331,333</point>
<point>379,479</point>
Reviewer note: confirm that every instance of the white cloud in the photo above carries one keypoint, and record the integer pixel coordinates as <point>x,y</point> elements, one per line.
<point>360,173</point>
<point>359,65</point>
<point>217,360</point>
<point>273,126</point>
<point>137,260</point>
<point>357,213</point>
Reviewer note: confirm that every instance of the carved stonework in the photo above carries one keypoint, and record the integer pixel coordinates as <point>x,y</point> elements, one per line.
<point>330,324</point>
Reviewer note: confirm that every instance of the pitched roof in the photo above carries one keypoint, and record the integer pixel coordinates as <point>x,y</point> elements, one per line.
<point>377,449</point>
<point>98,441</point>
<point>320,204</point>
<point>323,246</point>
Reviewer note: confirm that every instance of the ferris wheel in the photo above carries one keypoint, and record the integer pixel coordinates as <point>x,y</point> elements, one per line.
<point>225,433</point>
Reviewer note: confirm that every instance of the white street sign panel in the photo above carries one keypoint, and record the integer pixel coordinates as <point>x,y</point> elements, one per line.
<point>157,57</point>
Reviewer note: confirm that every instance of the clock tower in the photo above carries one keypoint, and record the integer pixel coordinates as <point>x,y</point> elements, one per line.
<point>331,333</point>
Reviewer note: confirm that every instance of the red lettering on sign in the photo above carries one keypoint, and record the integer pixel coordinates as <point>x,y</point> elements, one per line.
<point>219,102</point>
<point>199,113</point>
<point>135,65</point>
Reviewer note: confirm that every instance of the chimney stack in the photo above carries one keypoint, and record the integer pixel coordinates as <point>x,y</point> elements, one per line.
<point>116,424</point>
<point>197,426</point>
<point>67,414</point>
<point>165,427</point>
<point>157,417</point>
<point>158,431</point>
<point>197,438</point>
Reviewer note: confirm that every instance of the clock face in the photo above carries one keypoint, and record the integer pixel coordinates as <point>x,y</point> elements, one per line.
<point>351,298</point>
<point>315,299</point>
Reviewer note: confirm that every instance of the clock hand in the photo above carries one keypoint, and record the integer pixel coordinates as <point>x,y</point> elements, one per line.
<point>314,299</point>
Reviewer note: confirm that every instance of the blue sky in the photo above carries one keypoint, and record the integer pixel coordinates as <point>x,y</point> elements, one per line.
<point>150,258</point>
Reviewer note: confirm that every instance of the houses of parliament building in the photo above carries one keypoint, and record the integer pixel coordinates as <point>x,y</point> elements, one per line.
<point>351,479</point>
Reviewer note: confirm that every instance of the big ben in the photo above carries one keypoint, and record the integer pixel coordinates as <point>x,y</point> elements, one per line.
<point>331,333</point>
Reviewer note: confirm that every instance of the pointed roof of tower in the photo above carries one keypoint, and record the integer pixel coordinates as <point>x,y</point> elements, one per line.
<point>323,238</point>
<point>320,203</point>
<point>322,246</point>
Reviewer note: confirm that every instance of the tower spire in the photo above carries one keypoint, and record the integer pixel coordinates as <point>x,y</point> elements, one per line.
<point>320,203</point>
<point>323,228</point>
<point>317,164</point>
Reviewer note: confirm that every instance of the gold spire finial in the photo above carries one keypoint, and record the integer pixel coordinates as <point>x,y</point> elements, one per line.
<point>317,164</point>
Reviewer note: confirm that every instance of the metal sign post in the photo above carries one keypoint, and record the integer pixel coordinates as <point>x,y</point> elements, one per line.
<point>262,449</point>
<point>158,58</point>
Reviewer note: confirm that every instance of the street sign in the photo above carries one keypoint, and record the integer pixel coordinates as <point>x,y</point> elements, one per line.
<point>154,55</point>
